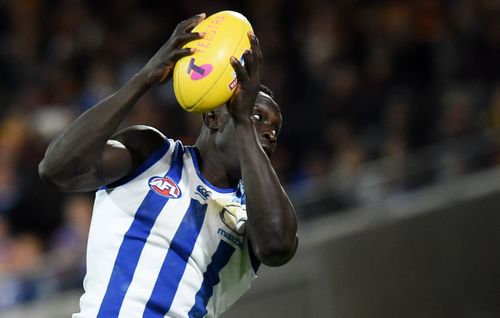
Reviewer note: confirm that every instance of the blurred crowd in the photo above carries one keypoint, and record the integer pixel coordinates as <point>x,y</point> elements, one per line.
<point>415,82</point>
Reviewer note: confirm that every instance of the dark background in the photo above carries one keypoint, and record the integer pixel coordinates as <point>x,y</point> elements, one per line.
<point>412,83</point>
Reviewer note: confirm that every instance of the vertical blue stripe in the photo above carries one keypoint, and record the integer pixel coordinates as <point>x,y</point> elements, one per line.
<point>134,241</point>
<point>176,260</point>
<point>211,278</point>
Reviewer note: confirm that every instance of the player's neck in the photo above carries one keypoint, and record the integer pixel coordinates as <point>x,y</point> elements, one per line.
<point>213,169</point>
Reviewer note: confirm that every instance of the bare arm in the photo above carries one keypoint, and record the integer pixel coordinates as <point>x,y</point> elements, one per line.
<point>272,225</point>
<point>83,157</point>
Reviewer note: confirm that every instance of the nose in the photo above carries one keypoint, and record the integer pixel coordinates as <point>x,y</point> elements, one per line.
<point>270,135</point>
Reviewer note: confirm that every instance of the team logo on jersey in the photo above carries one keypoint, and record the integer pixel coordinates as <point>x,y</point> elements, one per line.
<point>233,218</point>
<point>229,216</point>
<point>165,186</point>
<point>202,192</point>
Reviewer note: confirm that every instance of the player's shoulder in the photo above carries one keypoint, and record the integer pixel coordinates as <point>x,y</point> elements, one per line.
<point>137,131</point>
<point>140,140</point>
<point>140,135</point>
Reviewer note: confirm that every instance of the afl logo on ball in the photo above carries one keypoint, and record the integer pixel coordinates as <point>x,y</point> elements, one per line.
<point>165,186</point>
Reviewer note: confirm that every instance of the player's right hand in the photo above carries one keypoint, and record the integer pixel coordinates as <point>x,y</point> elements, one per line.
<point>159,68</point>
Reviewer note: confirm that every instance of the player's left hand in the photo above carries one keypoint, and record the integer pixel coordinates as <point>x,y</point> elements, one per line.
<point>243,100</point>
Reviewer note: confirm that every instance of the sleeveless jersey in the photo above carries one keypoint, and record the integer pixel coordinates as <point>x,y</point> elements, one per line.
<point>164,242</point>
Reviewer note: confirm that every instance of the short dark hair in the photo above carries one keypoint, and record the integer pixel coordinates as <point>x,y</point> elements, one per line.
<point>264,89</point>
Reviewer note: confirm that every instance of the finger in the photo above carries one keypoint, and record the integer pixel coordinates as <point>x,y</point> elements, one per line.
<point>255,59</point>
<point>179,53</point>
<point>241,72</point>
<point>200,17</point>
<point>175,56</point>
<point>255,46</point>
<point>188,24</point>
<point>250,64</point>
<point>187,37</point>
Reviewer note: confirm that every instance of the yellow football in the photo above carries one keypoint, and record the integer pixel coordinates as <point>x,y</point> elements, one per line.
<point>206,80</point>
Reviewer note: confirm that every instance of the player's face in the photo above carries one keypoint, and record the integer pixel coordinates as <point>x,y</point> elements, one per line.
<point>267,122</point>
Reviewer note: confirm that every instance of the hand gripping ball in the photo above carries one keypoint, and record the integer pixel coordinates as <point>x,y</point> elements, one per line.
<point>206,80</point>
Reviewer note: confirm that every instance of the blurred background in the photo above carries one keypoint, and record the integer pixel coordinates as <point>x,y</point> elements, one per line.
<point>390,148</point>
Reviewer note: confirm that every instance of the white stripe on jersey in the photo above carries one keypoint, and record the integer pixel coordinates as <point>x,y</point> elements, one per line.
<point>152,254</point>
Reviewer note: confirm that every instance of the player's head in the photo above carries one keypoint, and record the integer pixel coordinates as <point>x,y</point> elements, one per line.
<point>267,119</point>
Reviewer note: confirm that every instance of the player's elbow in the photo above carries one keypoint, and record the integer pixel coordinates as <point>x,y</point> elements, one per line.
<point>277,253</point>
<point>51,175</point>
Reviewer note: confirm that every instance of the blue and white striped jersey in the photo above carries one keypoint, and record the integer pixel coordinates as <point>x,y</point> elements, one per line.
<point>164,242</point>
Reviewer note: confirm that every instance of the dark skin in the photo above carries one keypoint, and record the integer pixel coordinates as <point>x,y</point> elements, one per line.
<point>235,143</point>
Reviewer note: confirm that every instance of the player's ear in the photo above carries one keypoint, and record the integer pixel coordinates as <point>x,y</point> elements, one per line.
<point>211,120</point>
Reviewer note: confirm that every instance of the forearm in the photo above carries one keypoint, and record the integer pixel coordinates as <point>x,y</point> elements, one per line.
<point>272,224</point>
<point>81,143</point>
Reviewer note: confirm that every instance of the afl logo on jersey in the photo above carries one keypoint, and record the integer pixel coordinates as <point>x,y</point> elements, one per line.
<point>165,186</point>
